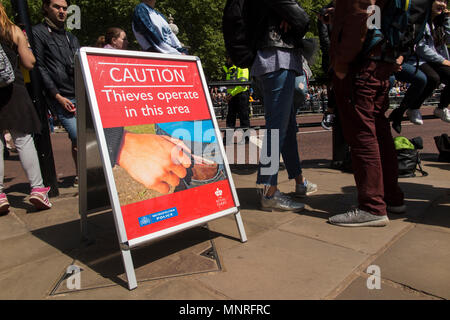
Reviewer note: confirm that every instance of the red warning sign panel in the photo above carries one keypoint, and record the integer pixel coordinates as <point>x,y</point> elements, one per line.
<point>162,143</point>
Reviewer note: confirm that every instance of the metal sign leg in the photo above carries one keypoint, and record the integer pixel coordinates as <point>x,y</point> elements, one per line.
<point>240,226</point>
<point>129,268</point>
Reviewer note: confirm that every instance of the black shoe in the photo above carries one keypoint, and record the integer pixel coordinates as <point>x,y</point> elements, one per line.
<point>327,121</point>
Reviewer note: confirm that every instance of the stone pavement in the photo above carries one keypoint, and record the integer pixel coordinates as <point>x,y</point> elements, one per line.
<point>288,256</point>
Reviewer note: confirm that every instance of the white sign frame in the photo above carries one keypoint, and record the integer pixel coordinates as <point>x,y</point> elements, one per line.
<point>89,93</point>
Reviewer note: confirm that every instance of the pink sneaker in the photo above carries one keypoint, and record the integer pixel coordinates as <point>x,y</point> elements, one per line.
<point>4,204</point>
<point>39,198</point>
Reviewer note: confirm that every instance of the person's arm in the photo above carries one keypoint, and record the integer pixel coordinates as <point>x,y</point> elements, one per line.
<point>39,52</point>
<point>324,38</point>
<point>447,28</point>
<point>144,25</point>
<point>23,47</point>
<point>425,49</point>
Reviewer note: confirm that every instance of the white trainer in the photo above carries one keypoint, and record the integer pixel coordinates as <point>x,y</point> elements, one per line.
<point>443,114</point>
<point>414,116</point>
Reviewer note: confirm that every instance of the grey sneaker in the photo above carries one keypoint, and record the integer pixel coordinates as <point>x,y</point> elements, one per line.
<point>280,202</point>
<point>358,218</point>
<point>302,190</point>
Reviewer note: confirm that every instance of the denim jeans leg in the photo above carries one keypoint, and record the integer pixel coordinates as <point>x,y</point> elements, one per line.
<point>417,81</point>
<point>289,151</point>
<point>68,121</point>
<point>278,89</point>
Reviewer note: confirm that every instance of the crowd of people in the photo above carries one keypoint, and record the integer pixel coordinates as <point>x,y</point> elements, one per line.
<point>356,92</point>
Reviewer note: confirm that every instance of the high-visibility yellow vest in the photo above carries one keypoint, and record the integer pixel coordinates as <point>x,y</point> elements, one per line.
<point>238,74</point>
<point>26,74</point>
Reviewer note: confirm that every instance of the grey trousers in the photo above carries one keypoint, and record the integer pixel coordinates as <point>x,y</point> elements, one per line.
<point>28,157</point>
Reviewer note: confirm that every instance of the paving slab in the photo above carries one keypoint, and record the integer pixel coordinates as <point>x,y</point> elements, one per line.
<point>169,289</point>
<point>11,226</point>
<point>280,265</point>
<point>420,260</point>
<point>189,252</point>
<point>23,249</point>
<point>358,290</point>
<point>366,240</point>
<point>32,280</point>
<point>438,216</point>
<point>63,210</point>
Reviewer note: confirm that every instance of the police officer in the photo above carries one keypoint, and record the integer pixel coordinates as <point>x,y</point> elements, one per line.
<point>238,97</point>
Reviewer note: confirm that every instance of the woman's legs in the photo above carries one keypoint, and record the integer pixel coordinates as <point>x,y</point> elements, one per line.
<point>418,80</point>
<point>28,157</point>
<point>443,72</point>
<point>433,80</point>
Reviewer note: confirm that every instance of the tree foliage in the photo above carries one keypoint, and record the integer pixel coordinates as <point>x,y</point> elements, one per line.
<point>199,22</point>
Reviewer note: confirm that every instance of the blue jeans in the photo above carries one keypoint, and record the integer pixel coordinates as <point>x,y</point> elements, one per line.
<point>417,80</point>
<point>278,96</point>
<point>68,121</point>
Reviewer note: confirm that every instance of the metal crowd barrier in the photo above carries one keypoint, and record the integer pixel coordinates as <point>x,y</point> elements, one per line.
<point>313,105</point>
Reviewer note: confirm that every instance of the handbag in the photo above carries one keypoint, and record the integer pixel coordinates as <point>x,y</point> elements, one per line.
<point>6,70</point>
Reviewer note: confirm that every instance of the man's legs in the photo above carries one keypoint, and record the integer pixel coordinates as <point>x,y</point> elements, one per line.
<point>243,109</point>
<point>69,122</point>
<point>233,106</point>
<point>362,102</point>
<point>393,195</point>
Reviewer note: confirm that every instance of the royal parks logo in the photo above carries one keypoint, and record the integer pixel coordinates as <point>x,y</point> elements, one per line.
<point>220,201</point>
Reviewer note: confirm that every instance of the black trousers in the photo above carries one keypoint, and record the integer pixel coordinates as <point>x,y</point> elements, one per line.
<point>239,106</point>
<point>436,74</point>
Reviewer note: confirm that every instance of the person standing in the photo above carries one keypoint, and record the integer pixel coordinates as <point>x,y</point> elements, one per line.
<point>238,97</point>
<point>55,49</point>
<point>279,27</point>
<point>18,115</point>
<point>362,94</point>
<point>152,30</point>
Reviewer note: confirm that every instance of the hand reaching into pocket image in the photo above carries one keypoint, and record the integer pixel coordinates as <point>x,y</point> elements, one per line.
<point>203,169</point>
<point>157,162</point>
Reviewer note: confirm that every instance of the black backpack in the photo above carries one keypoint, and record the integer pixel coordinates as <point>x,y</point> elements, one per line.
<point>236,33</point>
<point>403,25</point>
<point>409,158</point>
<point>443,146</point>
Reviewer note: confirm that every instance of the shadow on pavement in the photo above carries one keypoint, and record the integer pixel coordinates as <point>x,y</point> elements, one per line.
<point>426,204</point>
<point>184,253</point>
